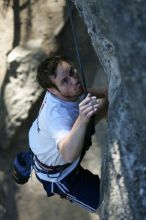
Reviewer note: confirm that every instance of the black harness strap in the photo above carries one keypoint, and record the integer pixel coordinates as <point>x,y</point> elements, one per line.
<point>52,169</point>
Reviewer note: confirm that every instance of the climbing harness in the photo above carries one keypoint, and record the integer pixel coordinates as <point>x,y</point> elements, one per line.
<point>24,162</point>
<point>49,170</point>
<point>77,47</point>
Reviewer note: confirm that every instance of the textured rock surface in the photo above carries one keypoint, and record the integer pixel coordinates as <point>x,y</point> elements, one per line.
<point>117,31</point>
<point>18,94</point>
<point>6,37</point>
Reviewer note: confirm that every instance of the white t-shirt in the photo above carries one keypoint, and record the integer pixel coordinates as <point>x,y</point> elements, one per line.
<point>55,120</point>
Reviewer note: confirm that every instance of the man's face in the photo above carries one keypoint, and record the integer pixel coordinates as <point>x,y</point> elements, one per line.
<point>67,81</point>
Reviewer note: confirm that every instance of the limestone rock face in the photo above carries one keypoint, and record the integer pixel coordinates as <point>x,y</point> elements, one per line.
<point>20,90</point>
<point>117,31</point>
<point>6,37</point>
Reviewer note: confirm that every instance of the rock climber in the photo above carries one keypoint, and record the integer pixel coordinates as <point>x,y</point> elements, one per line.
<point>60,135</point>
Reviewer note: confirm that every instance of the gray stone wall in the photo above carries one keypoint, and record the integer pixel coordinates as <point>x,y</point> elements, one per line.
<point>117,31</point>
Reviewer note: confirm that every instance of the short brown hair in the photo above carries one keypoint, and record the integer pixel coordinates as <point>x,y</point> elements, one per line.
<point>46,69</point>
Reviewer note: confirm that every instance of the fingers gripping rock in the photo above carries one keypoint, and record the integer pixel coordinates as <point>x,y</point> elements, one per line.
<point>88,107</point>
